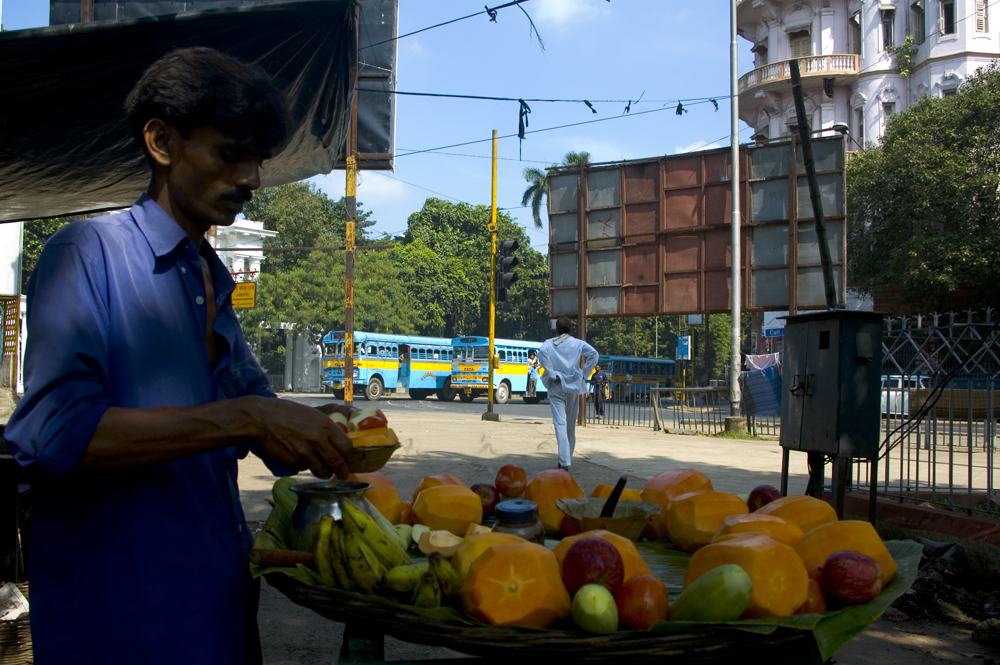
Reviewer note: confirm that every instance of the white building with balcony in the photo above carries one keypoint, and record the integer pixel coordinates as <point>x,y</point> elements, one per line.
<point>248,236</point>
<point>849,76</point>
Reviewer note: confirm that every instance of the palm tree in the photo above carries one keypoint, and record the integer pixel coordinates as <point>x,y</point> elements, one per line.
<point>538,182</point>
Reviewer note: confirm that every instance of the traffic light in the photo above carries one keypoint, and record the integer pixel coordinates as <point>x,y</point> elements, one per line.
<point>506,262</point>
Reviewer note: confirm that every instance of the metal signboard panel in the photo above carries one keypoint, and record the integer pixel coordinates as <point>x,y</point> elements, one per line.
<point>657,231</point>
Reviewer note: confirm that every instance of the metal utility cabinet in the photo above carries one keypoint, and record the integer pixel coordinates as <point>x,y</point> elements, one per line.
<point>831,375</point>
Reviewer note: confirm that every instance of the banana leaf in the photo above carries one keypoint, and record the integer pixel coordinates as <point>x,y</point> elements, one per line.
<point>832,630</point>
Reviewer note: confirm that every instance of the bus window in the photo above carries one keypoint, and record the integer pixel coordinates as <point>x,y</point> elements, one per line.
<point>502,355</point>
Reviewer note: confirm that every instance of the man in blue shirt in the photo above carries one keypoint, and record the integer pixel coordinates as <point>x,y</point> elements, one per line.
<point>597,382</point>
<point>567,362</point>
<point>142,395</point>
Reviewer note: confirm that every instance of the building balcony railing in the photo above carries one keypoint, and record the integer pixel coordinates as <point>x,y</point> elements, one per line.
<point>813,65</point>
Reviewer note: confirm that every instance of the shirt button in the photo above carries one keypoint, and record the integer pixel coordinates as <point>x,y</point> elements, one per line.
<point>183,270</point>
<point>199,300</point>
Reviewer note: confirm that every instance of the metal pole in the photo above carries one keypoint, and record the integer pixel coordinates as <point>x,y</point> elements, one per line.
<point>735,331</point>
<point>814,194</point>
<point>490,415</point>
<point>351,203</point>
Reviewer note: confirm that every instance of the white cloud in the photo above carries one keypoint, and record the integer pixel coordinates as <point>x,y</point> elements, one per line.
<point>562,12</point>
<point>699,146</point>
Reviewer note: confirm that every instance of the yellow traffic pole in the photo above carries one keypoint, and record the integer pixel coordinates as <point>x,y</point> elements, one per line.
<point>351,204</point>
<point>490,415</point>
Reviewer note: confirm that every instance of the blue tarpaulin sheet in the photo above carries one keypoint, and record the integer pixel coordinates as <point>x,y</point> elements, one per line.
<point>762,391</point>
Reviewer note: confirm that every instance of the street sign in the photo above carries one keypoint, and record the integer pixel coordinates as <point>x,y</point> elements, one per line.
<point>245,295</point>
<point>684,347</point>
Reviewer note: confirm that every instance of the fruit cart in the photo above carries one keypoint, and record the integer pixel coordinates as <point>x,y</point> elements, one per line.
<point>806,638</point>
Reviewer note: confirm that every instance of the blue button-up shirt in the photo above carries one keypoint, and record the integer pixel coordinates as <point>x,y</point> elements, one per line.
<point>144,565</point>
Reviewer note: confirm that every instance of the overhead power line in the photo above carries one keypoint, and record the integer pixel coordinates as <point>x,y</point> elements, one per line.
<point>492,13</point>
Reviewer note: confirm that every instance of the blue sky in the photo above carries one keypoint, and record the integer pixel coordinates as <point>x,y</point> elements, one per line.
<point>664,50</point>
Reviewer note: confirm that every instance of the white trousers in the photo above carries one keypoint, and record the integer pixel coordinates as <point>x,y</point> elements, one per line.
<point>565,409</point>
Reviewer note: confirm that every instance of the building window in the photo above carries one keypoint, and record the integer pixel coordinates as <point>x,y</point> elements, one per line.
<point>948,18</point>
<point>760,50</point>
<point>981,24</point>
<point>801,43</point>
<point>949,92</point>
<point>888,109</point>
<point>856,40</point>
<point>919,21</point>
<point>860,130</point>
<point>888,17</point>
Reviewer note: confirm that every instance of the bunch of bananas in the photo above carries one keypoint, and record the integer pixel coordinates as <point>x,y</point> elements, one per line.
<point>426,584</point>
<point>356,554</point>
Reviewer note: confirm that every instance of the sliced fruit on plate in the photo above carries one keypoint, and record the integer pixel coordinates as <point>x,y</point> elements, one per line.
<point>378,436</point>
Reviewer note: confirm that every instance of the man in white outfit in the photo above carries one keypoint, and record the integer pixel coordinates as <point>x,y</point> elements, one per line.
<point>567,362</point>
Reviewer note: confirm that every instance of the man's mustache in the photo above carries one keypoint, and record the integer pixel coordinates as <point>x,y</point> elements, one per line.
<point>239,196</point>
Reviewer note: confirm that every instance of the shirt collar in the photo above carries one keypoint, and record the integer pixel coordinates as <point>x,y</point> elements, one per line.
<point>161,231</point>
<point>559,340</point>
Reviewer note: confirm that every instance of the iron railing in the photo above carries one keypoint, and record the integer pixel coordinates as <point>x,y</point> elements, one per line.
<point>811,65</point>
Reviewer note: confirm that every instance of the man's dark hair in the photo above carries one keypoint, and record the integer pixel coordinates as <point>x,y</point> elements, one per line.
<point>199,86</point>
<point>564,325</point>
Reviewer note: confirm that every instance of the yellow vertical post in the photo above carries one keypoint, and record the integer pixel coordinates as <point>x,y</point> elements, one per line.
<point>489,415</point>
<point>351,204</point>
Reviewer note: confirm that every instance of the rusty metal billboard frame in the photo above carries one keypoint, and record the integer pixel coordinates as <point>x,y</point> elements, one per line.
<point>656,232</point>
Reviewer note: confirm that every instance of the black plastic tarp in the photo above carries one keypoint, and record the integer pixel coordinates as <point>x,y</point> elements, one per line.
<point>64,144</point>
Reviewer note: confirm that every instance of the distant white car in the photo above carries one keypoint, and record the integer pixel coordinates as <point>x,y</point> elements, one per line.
<point>896,391</point>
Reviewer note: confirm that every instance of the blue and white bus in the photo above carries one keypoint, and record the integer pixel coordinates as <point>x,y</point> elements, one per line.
<point>470,369</point>
<point>404,364</point>
<point>631,378</point>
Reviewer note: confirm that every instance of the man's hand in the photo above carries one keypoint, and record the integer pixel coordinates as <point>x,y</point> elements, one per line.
<point>299,436</point>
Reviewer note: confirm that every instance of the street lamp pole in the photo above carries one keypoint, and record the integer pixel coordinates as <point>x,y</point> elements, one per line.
<point>734,99</point>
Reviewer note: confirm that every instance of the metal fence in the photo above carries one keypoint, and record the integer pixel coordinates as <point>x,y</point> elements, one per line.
<point>940,404</point>
<point>629,404</point>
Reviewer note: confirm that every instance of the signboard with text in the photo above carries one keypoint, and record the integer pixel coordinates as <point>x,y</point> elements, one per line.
<point>245,295</point>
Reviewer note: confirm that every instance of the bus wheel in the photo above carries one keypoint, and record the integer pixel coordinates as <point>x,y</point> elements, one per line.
<point>374,390</point>
<point>338,394</point>
<point>502,393</point>
<point>466,397</point>
<point>445,393</point>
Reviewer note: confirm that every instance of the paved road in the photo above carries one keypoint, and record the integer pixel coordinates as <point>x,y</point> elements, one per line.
<point>390,405</point>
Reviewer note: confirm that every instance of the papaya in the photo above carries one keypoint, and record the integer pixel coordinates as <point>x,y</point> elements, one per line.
<point>818,544</point>
<point>604,491</point>
<point>661,490</point>
<point>382,494</point>
<point>634,565</point>
<point>775,527</point>
<point>780,582</point>
<point>547,487</point>
<point>721,594</point>
<point>448,508</point>
<point>473,546</point>
<point>517,584</point>
<point>436,481</point>
<point>805,512</point>
<point>374,436</point>
<point>695,517</point>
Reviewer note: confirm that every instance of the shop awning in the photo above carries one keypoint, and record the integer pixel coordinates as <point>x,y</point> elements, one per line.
<point>65,147</point>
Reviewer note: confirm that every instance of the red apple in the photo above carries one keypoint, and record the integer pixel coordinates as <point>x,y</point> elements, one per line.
<point>593,561</point>
<point>489,495</point>
<point>642,601</point>
<point>815,602</point>
<point>511,480</point>
<point>340,420</point>
<point>406,514</point>
<point>367,417</point>
<point>568,527</point>
<point>762,495</point>
<point>851,577</point>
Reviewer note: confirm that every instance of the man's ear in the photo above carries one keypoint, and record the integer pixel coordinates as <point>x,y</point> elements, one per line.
<point>157,137</point>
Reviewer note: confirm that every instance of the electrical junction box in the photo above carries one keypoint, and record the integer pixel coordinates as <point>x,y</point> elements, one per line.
<point>831,378</point>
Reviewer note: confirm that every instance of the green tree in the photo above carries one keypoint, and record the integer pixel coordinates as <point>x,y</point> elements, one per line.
<point>923,205</point>
<point>303,216</point>
<point>538,183</point>
<point>459,282</point>
<point>36,232</point>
